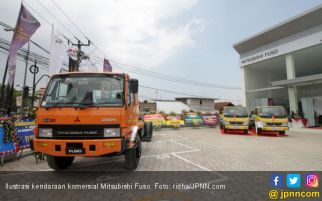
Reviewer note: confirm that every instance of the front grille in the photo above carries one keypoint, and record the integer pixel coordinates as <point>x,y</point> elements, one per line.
<point>78,131</point>
<point>274,124</point>
<point>236,122</point>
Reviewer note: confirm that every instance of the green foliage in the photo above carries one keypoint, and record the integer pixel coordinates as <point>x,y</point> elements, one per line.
<point>172,113</point>
<point>30,112</point>
<point>9,130</point>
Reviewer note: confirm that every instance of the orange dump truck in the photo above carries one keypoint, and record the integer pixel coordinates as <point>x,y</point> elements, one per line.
<point>90,114</point>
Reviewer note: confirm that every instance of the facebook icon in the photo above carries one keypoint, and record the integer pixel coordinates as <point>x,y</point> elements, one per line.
<point>277,181</point>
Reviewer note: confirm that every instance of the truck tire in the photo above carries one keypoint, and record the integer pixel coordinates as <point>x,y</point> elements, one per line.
<point>149,131</point>
<point>245,131</point>
<point>258,130</point>
<point>58,162</point>
<point>132,156</point>
<point>281,132</point>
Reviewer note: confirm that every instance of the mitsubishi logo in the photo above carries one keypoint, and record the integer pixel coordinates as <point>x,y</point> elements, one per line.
<point>76,120</point>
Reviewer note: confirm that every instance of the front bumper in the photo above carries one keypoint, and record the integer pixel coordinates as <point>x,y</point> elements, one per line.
<point>56,147</point>
<point>235,127</point>
<point>275,128</point>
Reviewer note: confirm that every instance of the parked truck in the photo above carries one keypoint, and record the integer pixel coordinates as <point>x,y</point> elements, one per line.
<point>90,114</point>
<point>270,119</point>
<point>234,118</point>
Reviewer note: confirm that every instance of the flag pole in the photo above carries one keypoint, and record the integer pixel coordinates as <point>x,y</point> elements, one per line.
<point>25,79</point>
<point>3,87</point>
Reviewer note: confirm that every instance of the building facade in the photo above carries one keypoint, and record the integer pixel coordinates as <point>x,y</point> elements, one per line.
<point>199,104</point>
<point>283,66</point>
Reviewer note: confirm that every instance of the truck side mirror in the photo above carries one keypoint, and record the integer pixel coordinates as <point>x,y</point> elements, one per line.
<point>134,86</point>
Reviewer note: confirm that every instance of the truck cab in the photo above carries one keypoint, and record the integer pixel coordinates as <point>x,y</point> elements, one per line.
<point>89,114</point>
<point>234,118</point>
<point>271,119</point>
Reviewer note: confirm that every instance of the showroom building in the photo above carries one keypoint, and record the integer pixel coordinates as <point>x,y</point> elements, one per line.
<point>283,66</point>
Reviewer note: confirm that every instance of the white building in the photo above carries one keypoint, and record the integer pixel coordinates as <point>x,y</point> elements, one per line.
<point>199,104</point>
<point>283,66</point>
<point>171,106</point>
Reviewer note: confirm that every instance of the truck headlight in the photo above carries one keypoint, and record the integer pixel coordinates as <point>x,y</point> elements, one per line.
<point>45,132</point>
<point>112,132</point>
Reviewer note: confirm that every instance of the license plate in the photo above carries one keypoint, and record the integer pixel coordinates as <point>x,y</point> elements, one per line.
<point>75,151</point>
<point>237,127</point>
<point>274,129</point>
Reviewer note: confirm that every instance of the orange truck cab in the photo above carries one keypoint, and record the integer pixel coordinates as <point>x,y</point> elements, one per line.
<point>90,114</point>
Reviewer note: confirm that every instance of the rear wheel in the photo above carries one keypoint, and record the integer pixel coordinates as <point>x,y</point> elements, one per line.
<point>59,162</point>
<point>258,130</point>
<point>132,156</point>
<point>281,132</point>
<point>148,131</point>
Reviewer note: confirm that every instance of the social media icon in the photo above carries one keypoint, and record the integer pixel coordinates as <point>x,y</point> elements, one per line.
<point>312,181</point>
<point>293,180</point>
<point>277,181</point>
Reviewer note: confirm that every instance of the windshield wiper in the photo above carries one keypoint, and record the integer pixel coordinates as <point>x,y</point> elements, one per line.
<point>51,106</point>
<point>82,106</point>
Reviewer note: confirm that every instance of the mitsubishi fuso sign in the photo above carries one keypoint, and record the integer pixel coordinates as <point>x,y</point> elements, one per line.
<point>259,57</point>
<point>286,45</point>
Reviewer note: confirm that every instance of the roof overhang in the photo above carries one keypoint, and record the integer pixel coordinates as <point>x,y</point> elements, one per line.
<point>264,89</point>
<point>299,23</point>
<point>300,81</point>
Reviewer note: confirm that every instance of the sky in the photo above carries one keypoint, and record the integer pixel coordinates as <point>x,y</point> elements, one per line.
<point>191,39</point>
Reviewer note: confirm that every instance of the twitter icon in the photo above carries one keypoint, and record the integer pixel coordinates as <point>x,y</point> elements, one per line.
<point>293,180</point>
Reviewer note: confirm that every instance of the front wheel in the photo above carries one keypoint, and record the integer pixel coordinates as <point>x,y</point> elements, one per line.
<point>59,162</point>
<point>132,156</point>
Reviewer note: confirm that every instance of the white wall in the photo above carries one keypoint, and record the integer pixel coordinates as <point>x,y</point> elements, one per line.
<point>207,105</point>
<point>317,104</point>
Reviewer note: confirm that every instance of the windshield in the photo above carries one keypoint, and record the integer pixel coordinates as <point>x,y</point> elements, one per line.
<point>235,112</point>
<point>272,111</point>
<point>81,91</point>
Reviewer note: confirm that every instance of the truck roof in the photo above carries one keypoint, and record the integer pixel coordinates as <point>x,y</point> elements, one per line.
<point>234,106</point>
<point>270,106</point>
<point>92,73</point>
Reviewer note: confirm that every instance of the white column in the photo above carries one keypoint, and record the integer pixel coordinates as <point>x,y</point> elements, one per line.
<point>243,86</point>
<point>292,91</point>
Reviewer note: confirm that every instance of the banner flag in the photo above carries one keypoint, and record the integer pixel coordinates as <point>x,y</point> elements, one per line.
<point>57,52</point>
<point>26,26</point>
<point>107,66</point>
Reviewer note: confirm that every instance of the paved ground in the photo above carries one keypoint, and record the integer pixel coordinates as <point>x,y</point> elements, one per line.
<point>207,149</point>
